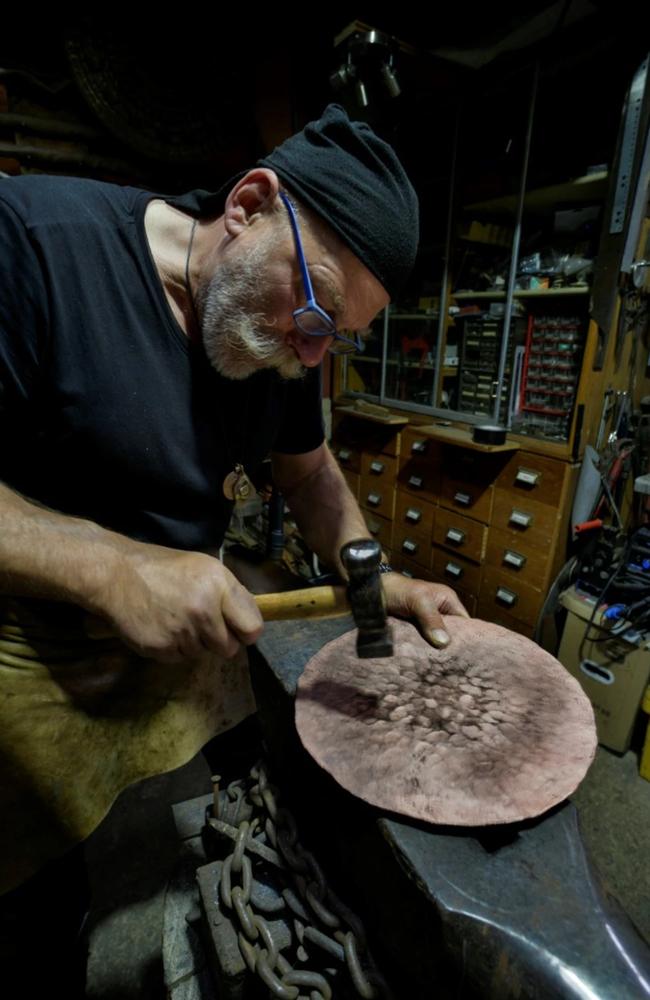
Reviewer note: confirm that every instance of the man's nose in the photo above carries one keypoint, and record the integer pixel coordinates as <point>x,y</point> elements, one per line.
<point>310,350</point>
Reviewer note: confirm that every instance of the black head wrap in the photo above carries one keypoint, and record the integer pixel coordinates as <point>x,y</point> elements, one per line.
<point>353,180</point>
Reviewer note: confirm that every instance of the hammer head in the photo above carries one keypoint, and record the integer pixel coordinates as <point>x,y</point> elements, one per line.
<point>361,559</point>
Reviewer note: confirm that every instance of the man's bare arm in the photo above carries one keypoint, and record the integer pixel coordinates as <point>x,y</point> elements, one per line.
<point>164,603</point>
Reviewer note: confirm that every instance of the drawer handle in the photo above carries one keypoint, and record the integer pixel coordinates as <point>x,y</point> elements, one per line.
<point>419,447</point>
<point>374,499</point>
<point>527,477</point>
<point>416,481</point>
<point>456,536</point>
<point>453,569</point>
<point>464,499</point>
<point>414,515</point>
<point>377,468</point>
<point>507,597</point>
<point>344,455</point>
<point>406,572</point>
<point>520,518</point>
<point>373,526</point>
<point>512,558</point>
<point>409,546</point>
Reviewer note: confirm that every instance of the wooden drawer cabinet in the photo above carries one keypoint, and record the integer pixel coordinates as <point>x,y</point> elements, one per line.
<point>499,593</point>
<point>414,512</point>
<point>413,545</point>
<point>529,525</point>
<point>381,528</point>
<point>460,534</point>
<point>470,498</point>
<point>533,477</point>
<point>402,564</point>
<point>456,571</point>
<point>378,467</point>
<point>417,446</point>
<point>504,553</point>
<point>487,612</point>
<point>377,497</point>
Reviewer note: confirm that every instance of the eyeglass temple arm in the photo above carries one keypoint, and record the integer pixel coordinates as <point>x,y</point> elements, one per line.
<point>301,256</point>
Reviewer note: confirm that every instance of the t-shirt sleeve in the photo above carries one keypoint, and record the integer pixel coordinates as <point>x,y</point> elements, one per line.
<point>23,312</point>
<point>302,427</point>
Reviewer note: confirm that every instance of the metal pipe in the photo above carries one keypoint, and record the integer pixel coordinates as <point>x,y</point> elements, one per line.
<point>444,290</point>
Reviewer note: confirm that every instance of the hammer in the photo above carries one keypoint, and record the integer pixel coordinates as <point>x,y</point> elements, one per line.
<point>363,596</point>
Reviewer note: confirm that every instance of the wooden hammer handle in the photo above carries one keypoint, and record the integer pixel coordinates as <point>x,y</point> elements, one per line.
<point>313,602</point>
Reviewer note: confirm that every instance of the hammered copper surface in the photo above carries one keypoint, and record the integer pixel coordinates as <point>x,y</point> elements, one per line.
<point>490,730</point>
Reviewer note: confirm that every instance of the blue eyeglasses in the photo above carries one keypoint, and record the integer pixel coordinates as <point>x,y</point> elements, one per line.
<point>311,319</point>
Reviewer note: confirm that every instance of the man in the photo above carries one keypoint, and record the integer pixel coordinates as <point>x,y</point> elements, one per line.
<point>152,352</point>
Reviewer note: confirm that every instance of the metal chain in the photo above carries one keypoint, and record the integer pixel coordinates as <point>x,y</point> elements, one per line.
<point>263,834</point>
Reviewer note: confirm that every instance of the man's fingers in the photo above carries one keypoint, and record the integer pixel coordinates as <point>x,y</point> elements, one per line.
<point>241,614</point>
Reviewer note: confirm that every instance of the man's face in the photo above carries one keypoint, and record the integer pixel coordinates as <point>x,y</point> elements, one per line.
<point>246,306</point>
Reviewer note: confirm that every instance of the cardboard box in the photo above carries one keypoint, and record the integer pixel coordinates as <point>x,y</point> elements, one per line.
<point>613,674</point>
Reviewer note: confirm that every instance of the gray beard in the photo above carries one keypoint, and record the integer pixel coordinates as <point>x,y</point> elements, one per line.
<point>237,337</point>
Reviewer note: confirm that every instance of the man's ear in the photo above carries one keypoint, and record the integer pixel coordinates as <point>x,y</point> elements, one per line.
<point>250,199</point>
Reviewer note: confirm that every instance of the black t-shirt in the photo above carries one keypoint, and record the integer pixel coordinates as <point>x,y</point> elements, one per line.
<point>107,410</point>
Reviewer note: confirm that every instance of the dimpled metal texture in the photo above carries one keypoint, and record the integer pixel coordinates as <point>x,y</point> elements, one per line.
<point>491,729</point>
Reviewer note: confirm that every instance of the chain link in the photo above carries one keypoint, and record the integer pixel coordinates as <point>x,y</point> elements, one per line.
<point>322,928</point>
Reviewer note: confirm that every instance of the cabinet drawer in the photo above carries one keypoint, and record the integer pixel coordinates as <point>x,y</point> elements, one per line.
<point>500,593</point>
<point>487,611</point>
<point>377,497</point>
<point>401,564</point>
<point>460,534</point>
<point>415,445</point>
<point>363,435</point>
<point>379,467</point>
<point>414,512</point>
<point>456,571</point>
<point>419,477</point>
<point>414,545</point>
<point>353,479</point>
<point>347,457</point>
<point>504,553</point>
<point>473,499</point>
<point>528,524</point>
<point>381,528</point>
<point>533,477</point>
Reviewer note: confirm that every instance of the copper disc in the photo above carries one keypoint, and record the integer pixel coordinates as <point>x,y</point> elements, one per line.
<point>490,730</point>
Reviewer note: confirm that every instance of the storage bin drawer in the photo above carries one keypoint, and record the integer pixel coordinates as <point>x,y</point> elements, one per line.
<point>414,512</point>
<point>379,467</point>
<point>353,479</point>
<point>460,534</point>
<point>530,566</point>
<point>401,564</point>
<point>414,545</point>
<point>455,570</point>
<point>529,525</point>
<point>488,613</point>
<point>420,478</point>
<point>377,497</point>
<point>500,593</point>
<point>347,457</point>
<point>534,477</point>
<point>470,498</point>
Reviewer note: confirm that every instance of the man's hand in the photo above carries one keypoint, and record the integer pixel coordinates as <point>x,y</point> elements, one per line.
<point>173,606</point>
<point>426,602</point>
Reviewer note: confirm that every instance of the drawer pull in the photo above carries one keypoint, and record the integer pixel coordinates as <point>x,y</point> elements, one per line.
<point>373,526</point>
<point>453,569</point>
<point>419,447</point>
<point>409,546</point>
<point>512,558</point>
<point>456,536</point>
<point>416,481</point>
<point>527,477</point>
<point>414,515</point>
<point>344,455</point>
<point>374,499</point>
<point>406,572</point>
<point>507,597</point>
<point>464,499</point>
<point>377,468</point>
<point>520,518</point>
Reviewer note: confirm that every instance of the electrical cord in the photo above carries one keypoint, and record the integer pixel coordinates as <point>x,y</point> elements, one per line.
<point>600,598</point>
